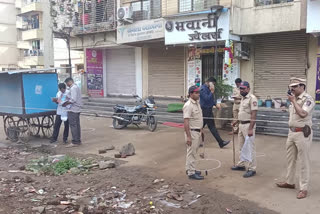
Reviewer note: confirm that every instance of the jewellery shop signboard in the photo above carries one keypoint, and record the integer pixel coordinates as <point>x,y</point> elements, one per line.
<point>196,29</point>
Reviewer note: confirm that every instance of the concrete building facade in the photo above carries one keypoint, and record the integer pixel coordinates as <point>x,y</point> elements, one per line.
<point>8,35</point>
<point>262,41</point>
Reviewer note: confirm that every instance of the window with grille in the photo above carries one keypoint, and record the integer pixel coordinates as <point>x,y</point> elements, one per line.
<point>269,2</point>
<point>196,5</point>
<point>94,16</point>
<point>146,9</point>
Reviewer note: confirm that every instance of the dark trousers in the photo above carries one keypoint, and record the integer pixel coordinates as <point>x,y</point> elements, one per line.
<point>207,112</point>
<point>74,122</point>
<point>57,126</point>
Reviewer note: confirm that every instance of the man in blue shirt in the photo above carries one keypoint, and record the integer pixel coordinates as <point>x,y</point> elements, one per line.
<point>207,102</point>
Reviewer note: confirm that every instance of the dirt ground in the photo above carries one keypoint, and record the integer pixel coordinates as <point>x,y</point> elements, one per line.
<point>159,155</point>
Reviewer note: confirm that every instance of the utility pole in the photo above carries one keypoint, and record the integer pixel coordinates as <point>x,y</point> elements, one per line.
<point>216,12</point>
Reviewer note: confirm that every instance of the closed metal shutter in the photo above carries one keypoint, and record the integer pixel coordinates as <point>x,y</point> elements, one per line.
<point>121,75</point>
<point>166,72</point>
<point>278,57</point>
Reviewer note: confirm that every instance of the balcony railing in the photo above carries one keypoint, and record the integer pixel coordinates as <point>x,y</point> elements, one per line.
<point>94,17</point>
<point>31,58</point>
<point>31,5</point>
<point>146,9</point>
<point>32,34</point>
<point>35,52</point>
<point>270,2</point>
<point>196,5</point>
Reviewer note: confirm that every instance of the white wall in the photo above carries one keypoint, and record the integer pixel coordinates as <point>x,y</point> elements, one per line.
<point>47,35</point>
<point>8,34</point>
<point>313,49</point>
<point>247,19</point>
<point>138,63</point>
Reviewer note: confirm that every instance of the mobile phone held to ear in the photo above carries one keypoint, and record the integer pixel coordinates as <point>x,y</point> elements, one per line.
<point>289,92</point>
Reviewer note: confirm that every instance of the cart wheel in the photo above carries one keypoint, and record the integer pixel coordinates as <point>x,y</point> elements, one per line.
<point>23,127</point>
<point>10,129</point>
<point>34,126</point>
<point>47,126</point>
<point>8,122</point>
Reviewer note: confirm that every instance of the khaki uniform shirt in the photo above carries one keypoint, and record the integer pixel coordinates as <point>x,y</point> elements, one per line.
<point>192,111</point>
<point>307,103</point>
<point>236,95</point>
<point>248,103</point>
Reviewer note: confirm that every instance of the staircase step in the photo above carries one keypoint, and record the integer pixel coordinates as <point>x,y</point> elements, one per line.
<point>130,101</point>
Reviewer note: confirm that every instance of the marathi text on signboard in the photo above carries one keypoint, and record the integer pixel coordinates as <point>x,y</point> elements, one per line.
<point>195,29</point>
<point>141,31</point>
<point>94,62</point>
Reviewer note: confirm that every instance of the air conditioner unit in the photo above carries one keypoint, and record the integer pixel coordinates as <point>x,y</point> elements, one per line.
<point>242,50</point>
<point>124,14</point>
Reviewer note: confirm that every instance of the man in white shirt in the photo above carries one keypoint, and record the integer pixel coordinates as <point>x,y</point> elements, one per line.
<point>61,115</point>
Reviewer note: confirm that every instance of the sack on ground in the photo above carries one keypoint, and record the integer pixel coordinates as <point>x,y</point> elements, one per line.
<point>246,151</point>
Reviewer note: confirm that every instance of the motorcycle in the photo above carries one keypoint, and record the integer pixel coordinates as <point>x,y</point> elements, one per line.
<point>124,115</point>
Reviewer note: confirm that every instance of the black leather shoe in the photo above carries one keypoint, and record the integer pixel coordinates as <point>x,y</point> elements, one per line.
<point>198,172</point>
<point>224,143</point>
<point>238,168</point>
<point>53,140</point>
<point>196,177</point>
<point>249,174</point>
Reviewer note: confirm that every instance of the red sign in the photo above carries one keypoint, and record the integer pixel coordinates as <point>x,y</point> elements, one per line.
<point>94,62</point>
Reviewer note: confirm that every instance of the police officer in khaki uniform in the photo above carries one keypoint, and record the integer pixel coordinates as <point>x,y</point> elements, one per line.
<point>236,105</point>
<point>193,123</point>
<point>300,136</point>
<point>247,126</point>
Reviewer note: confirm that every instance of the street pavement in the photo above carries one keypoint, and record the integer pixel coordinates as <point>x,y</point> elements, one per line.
<point>162,153</point>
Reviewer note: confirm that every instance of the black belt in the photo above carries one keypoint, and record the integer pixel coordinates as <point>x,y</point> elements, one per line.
<point>195,130</point>
<point>245,122</point>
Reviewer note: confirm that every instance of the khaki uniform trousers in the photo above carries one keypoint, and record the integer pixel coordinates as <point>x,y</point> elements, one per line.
<point>192,152</point>
<point>243,132</point>
<point>298,147</point>
<point>235,111</point>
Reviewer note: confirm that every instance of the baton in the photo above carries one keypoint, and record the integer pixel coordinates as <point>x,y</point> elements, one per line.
<point>234,152</point>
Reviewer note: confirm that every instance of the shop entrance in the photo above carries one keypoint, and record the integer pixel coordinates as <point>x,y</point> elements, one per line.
<point>208,66</point>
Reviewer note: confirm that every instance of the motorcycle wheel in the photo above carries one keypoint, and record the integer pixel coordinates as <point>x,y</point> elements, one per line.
<point>152,123</point>
<point>118,124</point>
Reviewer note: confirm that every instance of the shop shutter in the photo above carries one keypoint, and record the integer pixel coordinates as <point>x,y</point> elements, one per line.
<point>278,57</point>
<point>121,75</point>
<point>166,72</point>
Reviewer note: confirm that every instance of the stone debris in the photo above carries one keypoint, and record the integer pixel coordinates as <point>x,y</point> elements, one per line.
<point>39,210</point>
<point>108,148</point>
<point>107,164</point>
<point>102,151</point>
<point>128,150</point>
<point>158,181</point>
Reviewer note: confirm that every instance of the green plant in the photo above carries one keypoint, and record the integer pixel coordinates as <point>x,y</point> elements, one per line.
<point>45,167</point>
<point>65,165</point>
<point>222,90</point>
